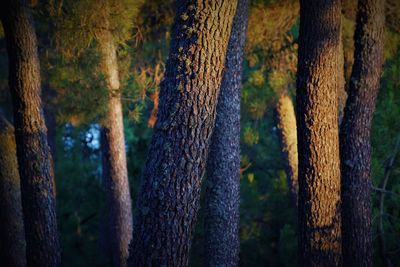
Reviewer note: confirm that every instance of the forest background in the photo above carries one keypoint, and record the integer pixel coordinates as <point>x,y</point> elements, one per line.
<point>74,94</point>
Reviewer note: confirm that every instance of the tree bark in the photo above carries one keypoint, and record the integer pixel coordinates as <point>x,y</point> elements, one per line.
<point>115,173</point>
<point>223,165</point>
<point>318,144</point>
<point>51,125</point>
<point>34,159</point>
<point>169,196</point>
<point>288,140</point>
<point>355,133</point>
<point>12,235</point>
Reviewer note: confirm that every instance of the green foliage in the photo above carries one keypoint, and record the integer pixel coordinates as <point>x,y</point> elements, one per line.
<point>385,135</point>
<point>268,229</point>
<point>80,198</point>
<point>82,22</point>
<point>81,91</point>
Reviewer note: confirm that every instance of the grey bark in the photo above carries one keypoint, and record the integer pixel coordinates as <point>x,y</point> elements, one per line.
<point>355,147</point>
<point>169,195</point>
<point>223,166</point>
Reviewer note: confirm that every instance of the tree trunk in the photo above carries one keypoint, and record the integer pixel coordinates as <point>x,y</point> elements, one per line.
<point>170,190</point>
<point>342,94</point>
<point>288,140</point>
<point>34,159</point>
<point>12,235</point>
<point>355,134</point>
<point>318,144</point>
<point>115,173</point>
<point>51,125</point>
<point>223,165</point>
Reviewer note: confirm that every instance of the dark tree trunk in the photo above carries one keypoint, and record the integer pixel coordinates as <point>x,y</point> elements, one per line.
<point>115,173</point>
<point>51,125</point>
<point>318,137</point>
<point>287,129</point>
<point>355,134</point>
<point>34,160</point>
<point>170,190</point>
<point>12,235</point>
<point>223,165</point>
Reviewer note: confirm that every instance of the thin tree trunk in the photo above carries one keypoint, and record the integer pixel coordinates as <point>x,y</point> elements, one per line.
<point>288,140</point>
<point>223,165</point>
<point>12,235</point>
<point>318,138</point>
<point>115,173</point>
<point>355,133</point>
<point>34,159</point>
<point>169,196</point>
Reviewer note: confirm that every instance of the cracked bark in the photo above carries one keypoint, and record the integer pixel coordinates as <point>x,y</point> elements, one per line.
<point>169,195</point>
<point>355,147</point>
<point>223,166</point>
<point>34,159</point>
<point>318,138</point>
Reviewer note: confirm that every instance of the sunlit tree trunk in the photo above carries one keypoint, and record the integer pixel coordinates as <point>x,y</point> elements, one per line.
<point>287,130</point>
<point>12,235</point>
<point>223,165</point>
<point>115,173</point>
<point>318,137</point>
<point>355,134</point>
<point>169,196</point>
<point>34,159</point>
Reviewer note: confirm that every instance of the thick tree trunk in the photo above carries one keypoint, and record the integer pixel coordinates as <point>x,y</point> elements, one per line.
<point>170,191</point>
<point>288,140</point>
<point>223,165</point>
<point>34,159</point>
<point>12,235</point>
<point>355,134</point>
<point>115,173</point>
<point>318,137</point>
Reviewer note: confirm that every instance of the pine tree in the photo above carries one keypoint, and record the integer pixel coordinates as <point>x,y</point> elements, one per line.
<point>108,23</point>
<point>12,235</point>
<point>318,136</point>
<point>169,195</point>
<point>288,140</point>
<point>115,171</point>
<point>223,164</point>
<point>355,147</point>
<point>34,159</point>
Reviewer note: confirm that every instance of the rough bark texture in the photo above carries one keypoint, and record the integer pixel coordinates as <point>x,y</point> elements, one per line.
<point>34,159</point>
<point>115,173</point>
<point>318,144</point>
<point>223,165</point>
<point>51,125</point>
<point>355,134</point>
<point>342,94</point>
<point>288,140</point>
<point>169,196</point>
<point>12,235</point>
